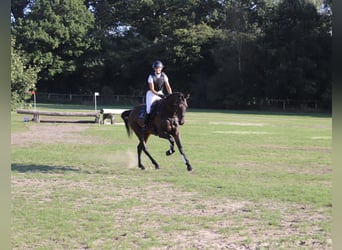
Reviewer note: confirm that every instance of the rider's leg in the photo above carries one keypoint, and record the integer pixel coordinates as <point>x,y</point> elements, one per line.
<point>146,120</point>
<point>150,98</point>
<point>149,101</point>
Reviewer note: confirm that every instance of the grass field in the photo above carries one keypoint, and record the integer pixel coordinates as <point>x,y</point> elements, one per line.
<point>260,181</point>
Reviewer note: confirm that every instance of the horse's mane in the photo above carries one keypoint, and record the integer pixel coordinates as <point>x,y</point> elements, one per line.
<point>169,103</point>
<point>170,96</point>
<point>172,99</point>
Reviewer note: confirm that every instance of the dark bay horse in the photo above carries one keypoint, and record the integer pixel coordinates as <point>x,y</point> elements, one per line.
<point>166,116</point>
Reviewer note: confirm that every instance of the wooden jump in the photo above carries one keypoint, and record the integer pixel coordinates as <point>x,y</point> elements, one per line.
<point>110,114</point>
<point>36,114</point>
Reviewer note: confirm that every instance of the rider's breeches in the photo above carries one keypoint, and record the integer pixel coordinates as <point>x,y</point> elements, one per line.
<point>150,98</point>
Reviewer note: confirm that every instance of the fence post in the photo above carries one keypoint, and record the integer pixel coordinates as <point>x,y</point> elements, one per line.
<point>95,95</point>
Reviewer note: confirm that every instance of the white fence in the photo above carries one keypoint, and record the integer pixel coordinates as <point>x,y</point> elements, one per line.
<point>88,99</point>
<point>130,100</point>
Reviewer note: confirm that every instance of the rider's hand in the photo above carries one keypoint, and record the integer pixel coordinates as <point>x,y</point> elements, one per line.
<point>161,96</point>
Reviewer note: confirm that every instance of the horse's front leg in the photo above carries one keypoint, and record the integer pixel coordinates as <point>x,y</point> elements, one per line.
<point>166,135</point>
<point>180,148</point>
<point>172,146</point>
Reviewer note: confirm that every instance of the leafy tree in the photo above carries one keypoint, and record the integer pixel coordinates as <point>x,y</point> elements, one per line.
<point>298,52</point>
<point>23,76</point>
<point>234,80</point>
<point>57,34</point>
<point>18,7</point>
<point>227,53</point>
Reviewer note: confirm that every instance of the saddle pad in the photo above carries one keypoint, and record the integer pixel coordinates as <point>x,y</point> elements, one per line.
<point>155,108</point>
<point>142,111</point>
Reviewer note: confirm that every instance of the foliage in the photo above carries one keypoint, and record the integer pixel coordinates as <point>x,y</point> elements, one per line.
<point>297,55</point>
<point>226,53</point>
<point>23,76</point>
<point>190,42</point>
<point>18,8</point>
<point>56,35</point>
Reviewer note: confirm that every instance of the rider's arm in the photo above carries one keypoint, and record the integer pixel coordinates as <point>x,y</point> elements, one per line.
<point>168,87</point>
<point>151,86</point>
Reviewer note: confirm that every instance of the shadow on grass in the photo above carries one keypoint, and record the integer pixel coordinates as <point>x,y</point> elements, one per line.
<point>41,168</point>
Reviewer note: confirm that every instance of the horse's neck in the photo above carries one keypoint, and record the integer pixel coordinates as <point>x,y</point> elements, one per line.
<point>168,108</point>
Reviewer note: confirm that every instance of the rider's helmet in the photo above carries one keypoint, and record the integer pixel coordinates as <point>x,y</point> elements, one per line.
<point>157,64</point>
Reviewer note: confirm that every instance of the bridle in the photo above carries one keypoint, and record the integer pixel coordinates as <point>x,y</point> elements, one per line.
<point>175,109</point>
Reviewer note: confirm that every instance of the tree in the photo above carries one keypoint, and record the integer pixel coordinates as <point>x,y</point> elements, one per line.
<point>23,76</point>
<point>226,53</point>
<point>18,7</point>
<point>234,76</point>
<point>297,52</point>
<point>135,33</point>
<point>57,35</point>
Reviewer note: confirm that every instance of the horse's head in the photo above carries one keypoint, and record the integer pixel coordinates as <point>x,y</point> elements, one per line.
<point>176,105</point>
<point>181,107</point>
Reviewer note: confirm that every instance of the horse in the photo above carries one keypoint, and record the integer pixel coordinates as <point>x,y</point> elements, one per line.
<point>167,115</point>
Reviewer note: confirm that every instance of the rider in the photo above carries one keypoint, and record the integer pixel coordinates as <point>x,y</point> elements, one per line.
<point>156,83</point>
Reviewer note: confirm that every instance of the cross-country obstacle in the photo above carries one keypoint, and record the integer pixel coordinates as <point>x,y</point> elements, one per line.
<point>109,114</point>
<point>37,115</point>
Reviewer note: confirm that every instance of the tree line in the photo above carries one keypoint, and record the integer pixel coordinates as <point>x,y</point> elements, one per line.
<point>225,53</point>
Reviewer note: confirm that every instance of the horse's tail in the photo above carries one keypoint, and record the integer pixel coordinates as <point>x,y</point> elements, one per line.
<point>124,116</point>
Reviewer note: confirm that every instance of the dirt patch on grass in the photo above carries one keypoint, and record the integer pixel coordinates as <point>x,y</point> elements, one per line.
<point>183,220</point>
<point>318,149</point>
<point>180,219</point>
<point>53,133</point>
<point>231,224</point>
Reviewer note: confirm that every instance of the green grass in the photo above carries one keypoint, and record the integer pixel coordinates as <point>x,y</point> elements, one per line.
<point>254,174</point>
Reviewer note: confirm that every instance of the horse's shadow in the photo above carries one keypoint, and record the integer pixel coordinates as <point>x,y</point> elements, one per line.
<point>22,168</point>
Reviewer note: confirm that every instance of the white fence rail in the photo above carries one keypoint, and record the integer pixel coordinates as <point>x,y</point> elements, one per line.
<point>88,99</point>
<point>130,100</point>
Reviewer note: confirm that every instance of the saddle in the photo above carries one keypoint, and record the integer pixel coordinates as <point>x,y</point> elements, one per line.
<point>154,110</point>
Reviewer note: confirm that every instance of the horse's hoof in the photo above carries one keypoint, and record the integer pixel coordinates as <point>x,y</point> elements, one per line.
<point>142,167</point>
<point>157,167</point>
<point>169,152</point>
<point>189,168</point>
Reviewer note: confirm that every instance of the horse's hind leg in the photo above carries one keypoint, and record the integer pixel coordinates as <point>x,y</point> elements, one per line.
<point>156,165</point>
<point>139,149</point>
<point>142,147</point>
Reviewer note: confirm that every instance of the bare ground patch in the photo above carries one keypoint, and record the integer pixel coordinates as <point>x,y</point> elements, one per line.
<point>53,133</point>
<point>196,223</point>
<point>229,224</point>
<point>312,148</point>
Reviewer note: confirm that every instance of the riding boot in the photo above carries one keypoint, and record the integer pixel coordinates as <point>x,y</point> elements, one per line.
<point>146,121</point>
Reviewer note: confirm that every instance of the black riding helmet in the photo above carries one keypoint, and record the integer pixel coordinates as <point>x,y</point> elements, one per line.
<point>157,64</point>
